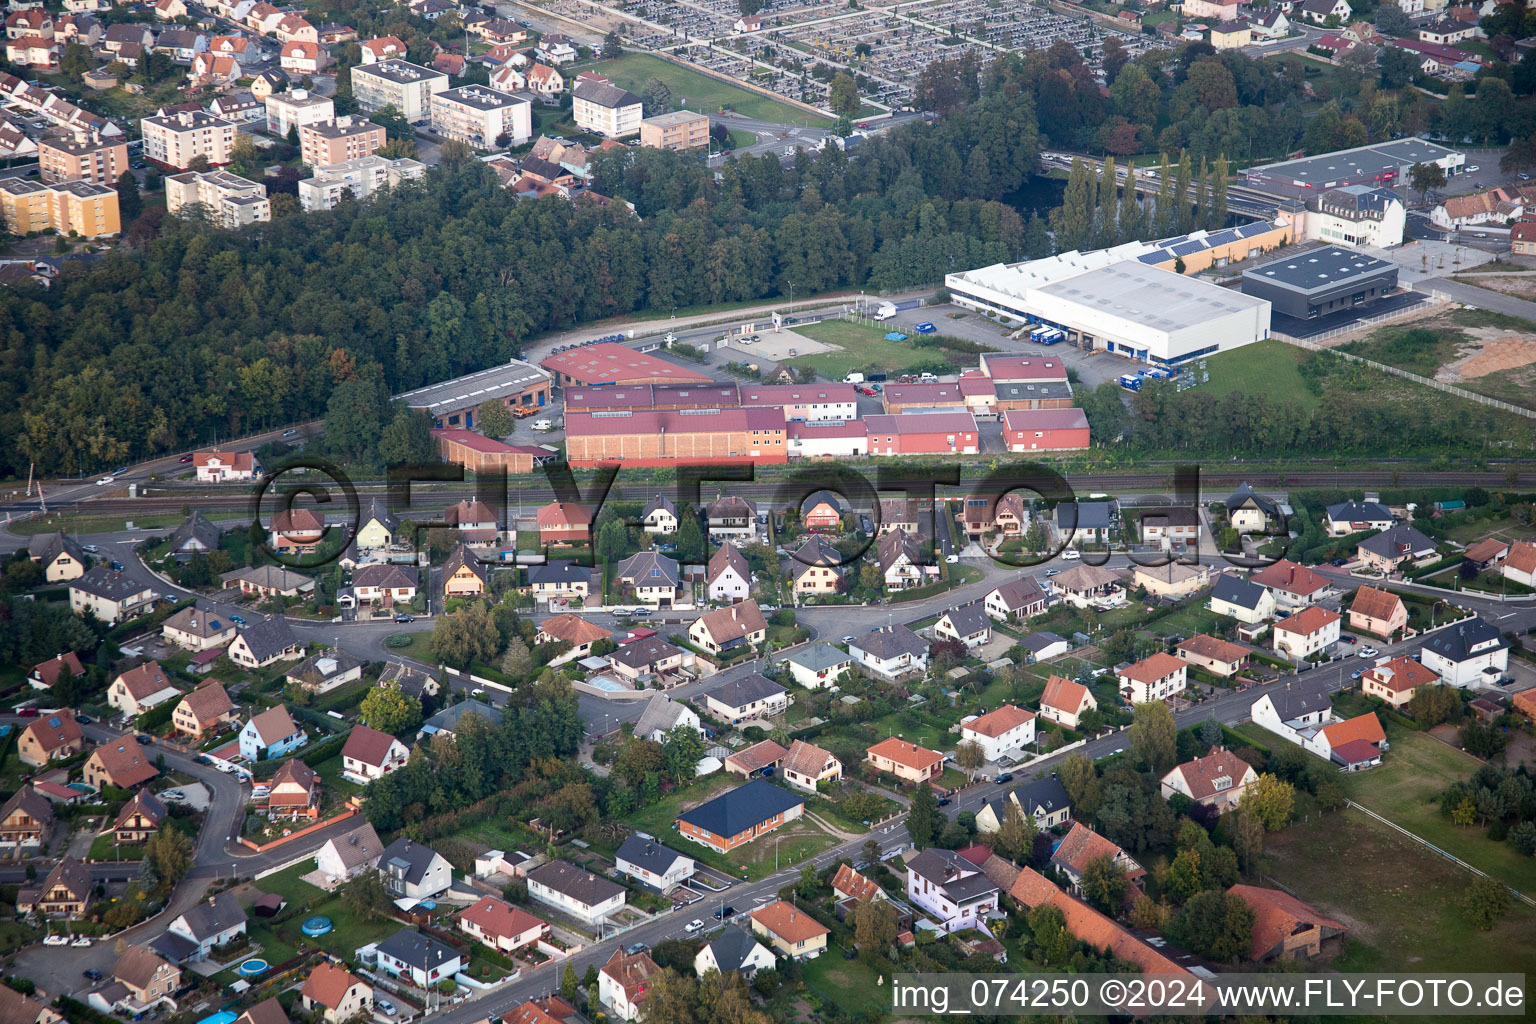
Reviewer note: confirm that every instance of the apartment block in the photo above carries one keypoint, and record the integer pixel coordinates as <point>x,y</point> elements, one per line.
<point>407,87</point>
<point>478,116</point>
<point>83,208</point>
<point>344,138</point>
<point>605,110</point>
<point>232,201</point>
<point>173,140</point>
<point>361,177</point>
<point>297,108</point>
<point>680,129</point>
<point>81,158</point>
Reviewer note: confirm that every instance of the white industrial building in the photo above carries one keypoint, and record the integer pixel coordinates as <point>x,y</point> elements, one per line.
<point>1110,299</point>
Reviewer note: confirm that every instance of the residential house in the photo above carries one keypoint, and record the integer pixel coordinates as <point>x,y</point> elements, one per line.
<point>1170,527</point>
<point>211,70</point>
<point>751,696</point>
<point>121,762</point>
<point>951,888</point>
<point>1082,846</point>
<point>564,522</point>
<point>221,467</point>
<point>738,816</point>
<point>416,682</point>
<point>295,529</point>
<point>1065,702</point>
<point>560,579</point>
<point>1296,710</point>
<point>1045,801</point>
<point>501,926</point>
<point>150,981</point>
<point>1214,655</point>
<point>1284,928</point>
<point>269,581</point>
<point>1005,731</point>
<point>651,659</point>
<point>652,864</point>
<point>382,585</point>
<point>1349,517</point>
<point>336,995</point>
<point>463,573</point>
<point>822,511</point>
<point>1247,510</point>
<point>1390,549</point>
<point>623,981</point>
<point>1320,11</point>
<point>139,819</point>
<point>271,734</point>
<point>733,951</point>
<point>52,737</point>
<point>204,711</point>
<point>381,49</point>
<point>1354,744</point>
<point>1469,654</point>
<point>890,652</point>
<point>194,534</point>
<point>898,514</point>
<point>650,577</point>
<point>446,721</point>
<point>726,630</point>
<point>60,555</point>
<point>579,893</point>
<point>264,642</point>
<point>905,760</point>
<point>414,871</point>
<point>110,596</point>
<point>817,567</point>
<point>269,1011</point>
<point>379,525</point>
<point>370,754</point>
<point>807,765</point>
<point>418,958</point>
<point>1090,586</point>
<point>1378,612</point>
<point>660,516</point>
<point>1157,677</point>
<point>1217,780</point>
<point>191,937</point>
<point>662,714</point>
<point>1044,645</point>
<point>347,856</point>
<point>26,820</point>
<point>577,633</point>
<point>303,58</point>
<point>760,758</point>
<point>1486,554</point>
<point>1031,889</point>
<point>1173,581</point>
<point>790,931</point>
<point>731,518</point>
<point>1242,599</point>
<point>850,887</point>
<point>818,666</point>
<point>1309,632</point>
<point>475,522</point>
<point>1293,586</point>
<point>197,630</point>
<point>1020,599</point>
<point>1394,680</point>
<point>727,577</point>
<point>903,561</point>
<point>1520,563</point>
<point>1085,522</point>
<point>294,790</point>
<point>1493,206</point>
<point>968,624</point>
<point>1270,24</point>
<point>326,670</point>
<point>66,892</point>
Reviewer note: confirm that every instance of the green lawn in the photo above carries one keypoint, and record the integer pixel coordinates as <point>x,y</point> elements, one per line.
<point>283,939</point>
<point>1406,789</point>
<point>1401,902</point>
<point>418,648</point>
<point>78,524</point>
<point>851,984</point>
<point>1267,367</point>
<point>863,348</point>
<point>699,91</point>
<point>1409,347</point>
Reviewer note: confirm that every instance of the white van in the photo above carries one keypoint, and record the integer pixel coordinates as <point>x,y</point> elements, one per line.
<point>854,378</point>
<point>543,425</point>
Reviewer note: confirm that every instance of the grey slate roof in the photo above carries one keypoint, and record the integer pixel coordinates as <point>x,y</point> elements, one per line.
<point>415,950</point>
<point>1358,512</point>
<point>1397,541</point>
<point>211,917</point>
<point>638,654</point>
<point>741,692</point>
<point>942,868</point>
<point>730,507</point>
<point>447,719</point>
<point>819,656</point>
<point>1300,697</point>
<point>1083,515</point>
<point>891,642</point>
<point>108,585</point>
<point>1042,795</point>
<point>53,545</point>
<point>413,859</point>
<point>731,949</point>
<point>1238,590</point>
<point>1244,494</point>
<point>560,572</point>
<point>1038,642</point>
<point>648,854</point>
<point>1455,643</point>
<point>649,569</point>
<point>739,809</point>
<point>568,879</point>
<point>661,712</point>
<point>662,502</point>
<point>605,95</point>
<point>267,637</point>
<point>968,618</point>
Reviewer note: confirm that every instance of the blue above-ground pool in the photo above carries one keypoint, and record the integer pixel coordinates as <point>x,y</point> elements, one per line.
<point>253,967</point>
<point>222,1017</point>
<point>316,926</point>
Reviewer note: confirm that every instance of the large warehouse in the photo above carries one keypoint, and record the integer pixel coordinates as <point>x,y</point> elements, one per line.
<point>1320,281</point>
<point>611,363</point>
<point>670,438</point>
<point>1104,300</point>
<point>1383,163</point>
<point>452,403</point>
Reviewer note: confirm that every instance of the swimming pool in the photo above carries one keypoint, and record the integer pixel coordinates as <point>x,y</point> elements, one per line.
<point>611,685</point>
<point>223,1017</point>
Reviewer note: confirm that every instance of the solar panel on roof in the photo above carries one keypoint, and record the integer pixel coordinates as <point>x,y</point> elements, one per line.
<point>1187,248</point>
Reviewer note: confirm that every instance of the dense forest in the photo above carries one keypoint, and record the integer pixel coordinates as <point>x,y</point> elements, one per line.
<point>199,332</point>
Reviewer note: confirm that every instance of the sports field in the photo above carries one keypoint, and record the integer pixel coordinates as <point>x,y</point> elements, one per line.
<point>699,91</point>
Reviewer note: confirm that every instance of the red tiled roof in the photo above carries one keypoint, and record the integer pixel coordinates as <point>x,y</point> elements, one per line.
<point>1377,604</point>
<point>1082,845</point>
<point>48,671</point>
<point>328,985</point>
<point>1276,916</point>
<point>500,919</point>
<point>852,885</point>
<point>1307,621</point>
<point>995,723</point>
<point>1200,775</point>
<point>904,753</point>
<point>1290,577</point>
<point>1064,695</point>
<point>1401,674</point>
<point>1150,670</point>
<point>788,922</point>
<point>1088,925</point>
<point>1360,728</point>
<point>370,746</point>
<point>563,513</point>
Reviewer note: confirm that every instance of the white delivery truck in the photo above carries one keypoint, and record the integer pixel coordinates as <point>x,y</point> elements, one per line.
<point>854,378</point>
<point>886,311</point>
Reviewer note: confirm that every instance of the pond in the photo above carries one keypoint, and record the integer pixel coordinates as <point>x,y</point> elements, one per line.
<point>1039,194</point>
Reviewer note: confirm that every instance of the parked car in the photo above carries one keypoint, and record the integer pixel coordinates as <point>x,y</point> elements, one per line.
<point>725,913</point>
<point>104,480</point>
<point>289,432</point>
<point>951,559</point>
<point>543,425</point>
<point>81,943</point>
<point>944,801</point>
<point>185,458</point>
<point>1473,169</point>
<point>1052,572</point>
<point>405,618</point>
<point>89,549</point>
<point>694,926</point>
<point>384,1006</point>
<point>1357,673</point>
<point>237,620</point>
<point>83,719</point>
<point>926,328</point>
<point>636,947</point>
<point>1340,561</point>
<point>1367,652</point>
<point>28,712</point>
<point>1070,555</point>
<point>866,390</point>
<point>91,972</point>
<point>145,738</point>
<point>116,565</point>
<point>849,639</point>
<point>1349,638</point>
<point>56,940</point>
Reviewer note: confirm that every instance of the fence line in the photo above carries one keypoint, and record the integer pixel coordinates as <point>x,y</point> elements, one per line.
<point>1522,897</point>
<point>1312,345</point>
